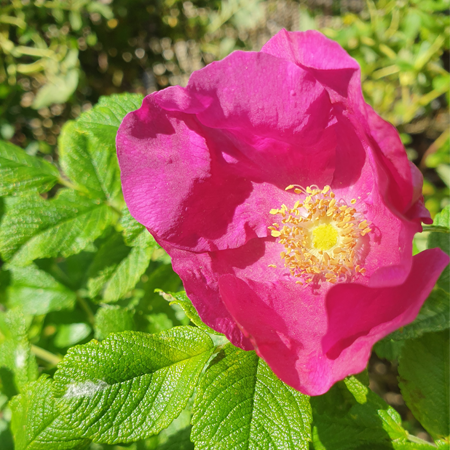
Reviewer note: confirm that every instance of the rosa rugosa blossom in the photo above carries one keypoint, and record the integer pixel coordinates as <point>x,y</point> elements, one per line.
<point>287,204</point>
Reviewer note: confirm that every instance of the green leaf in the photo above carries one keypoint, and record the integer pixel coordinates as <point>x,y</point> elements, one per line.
<point>58,89</point>
<point>158,322</point>
<point>87,147</point>
<point>425,381</point>
<point>442,241</point>
<point>134,233</point>
<point>93,170</point>
<point>72,270</point>
<point>18,364</point>
<point>181,299</point>
<point>36,422</point>
<point>101,124</point>
<point>161,276</point>
<point>71,334</point>
<point>131,227</point>
<point>240,403</point>
<point>176,436</point>
<point>103,120</point>
<point>388,348</point>
<point>21,173</point>
<point>131,385</point>
<point>433,316</point>
<point>112,319</point>
<point>36,292</point>
<point>116,268</point>
<point>35,228</point>
<point>352,417</point>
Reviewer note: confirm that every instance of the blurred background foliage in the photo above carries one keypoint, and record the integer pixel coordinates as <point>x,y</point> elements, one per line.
<point>57,57</point>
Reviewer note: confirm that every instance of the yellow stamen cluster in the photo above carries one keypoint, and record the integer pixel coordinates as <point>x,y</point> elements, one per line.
<point>321,236</point>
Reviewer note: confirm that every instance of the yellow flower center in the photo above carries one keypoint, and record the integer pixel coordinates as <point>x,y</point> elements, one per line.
<point>322,236</point>
<point>325,237</point>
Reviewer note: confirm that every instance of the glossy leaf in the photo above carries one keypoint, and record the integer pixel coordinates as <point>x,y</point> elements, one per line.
<point>424,369</point>
<point>240,403</point>
<point>36,422</point>
<point>37,292</point>
<point>131,385</point>
<point>442,240</point>
<point>35,228</point>
<point>17,364</point>
<point>117,268</point>
<point>21,173</point>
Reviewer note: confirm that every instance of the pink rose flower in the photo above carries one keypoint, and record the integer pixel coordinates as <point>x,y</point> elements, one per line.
<point>287,204</point>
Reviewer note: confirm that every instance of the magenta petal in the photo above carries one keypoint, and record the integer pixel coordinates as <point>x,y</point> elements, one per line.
<point>196,199</point>
<point>202,288</point>
<point>272,129</point>
<point>288,327</point>
<point>359,316</point>
<point>394,158</point>
<point>323,58</point>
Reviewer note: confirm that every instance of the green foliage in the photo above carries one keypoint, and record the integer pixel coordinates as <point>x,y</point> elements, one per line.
<point>350,416</point>
<point>37,423</point>
<point>71,334</point>
<point>112,319</point>
<point>17,364</point>
<point>424,369</point>
<point>34,228</point>
<point>134,233</point>
<point>434,316</point>
<point>87,147</point>
<point>131,385</point>
<point>442,240</point>
<point>241,404</point>
<point>37,292</point>
<point>80,162</point>
<point>117,268</point>
<point>21,173</point>
<point>182,300</point>
<point>176,436</point>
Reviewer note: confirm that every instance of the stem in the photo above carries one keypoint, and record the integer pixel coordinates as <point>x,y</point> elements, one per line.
<point>45,355</point>
<point>436,229</point>
<point>87,309</point>
<point>417,440</point>
<point>117,211</point>
<point>67,183</point>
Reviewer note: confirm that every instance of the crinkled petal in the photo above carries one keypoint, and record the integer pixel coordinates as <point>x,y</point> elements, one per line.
<point>400,190</point>
<point>311,344</point>
<point>359,316</point>
<point>325,59</point>
<point>190,186</point>
<point>277,129</point>
<point>331,65</point>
